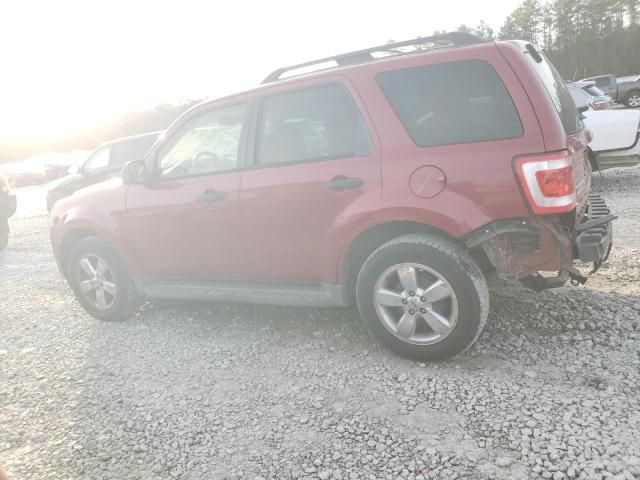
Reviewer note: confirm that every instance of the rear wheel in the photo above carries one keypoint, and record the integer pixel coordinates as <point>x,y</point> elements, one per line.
<point>632,99</point>
<point>423,297</point>
<point>100,280</point>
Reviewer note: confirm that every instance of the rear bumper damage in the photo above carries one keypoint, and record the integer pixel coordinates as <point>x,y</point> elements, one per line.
<point>520,249</point>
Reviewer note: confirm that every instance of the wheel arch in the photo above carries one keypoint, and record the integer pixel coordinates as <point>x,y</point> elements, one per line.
<point>635,91</point>
<point>69,240</point>
<point>367,241</point>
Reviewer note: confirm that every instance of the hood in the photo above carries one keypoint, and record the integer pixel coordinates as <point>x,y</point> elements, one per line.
<point>101,188</point>
<point>64,182</point>
<point>104,195</point>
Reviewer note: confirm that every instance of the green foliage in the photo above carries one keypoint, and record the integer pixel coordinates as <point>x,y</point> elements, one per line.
<point>583,37</point>
<point>483,31</point>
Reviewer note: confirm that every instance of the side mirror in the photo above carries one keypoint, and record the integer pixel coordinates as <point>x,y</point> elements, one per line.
<point>74,169</point>
<point>135,173</point>
<point>583,109</point>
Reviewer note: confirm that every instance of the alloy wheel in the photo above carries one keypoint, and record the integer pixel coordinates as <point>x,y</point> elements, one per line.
<point>416,303</point>
<point>96,281</point>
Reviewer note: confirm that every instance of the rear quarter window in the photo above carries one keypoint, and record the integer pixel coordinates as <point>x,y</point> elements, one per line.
<point>449,103</point>
<point>557,89</point>
<point>593,91</point>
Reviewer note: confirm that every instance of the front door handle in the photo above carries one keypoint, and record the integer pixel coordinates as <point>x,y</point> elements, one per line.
<point>212,196</point>
<point>343,183</point>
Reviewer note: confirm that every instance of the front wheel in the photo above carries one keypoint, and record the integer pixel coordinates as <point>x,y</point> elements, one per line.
<point>100,280</point>
<point>632,99</point>
<point>423,297</point>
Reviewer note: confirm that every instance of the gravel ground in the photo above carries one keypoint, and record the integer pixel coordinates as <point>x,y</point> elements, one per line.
<point>551,390</point>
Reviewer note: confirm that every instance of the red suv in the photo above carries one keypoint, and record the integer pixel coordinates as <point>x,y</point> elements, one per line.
<point>391,177</point>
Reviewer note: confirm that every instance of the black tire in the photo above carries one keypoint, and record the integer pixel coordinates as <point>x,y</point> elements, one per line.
<point>4,234</point>
<point>126,301</point>
<point>455,265</point>
<point>629,96</point>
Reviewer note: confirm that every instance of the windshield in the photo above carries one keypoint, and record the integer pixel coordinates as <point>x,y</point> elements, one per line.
<point>98,160</point>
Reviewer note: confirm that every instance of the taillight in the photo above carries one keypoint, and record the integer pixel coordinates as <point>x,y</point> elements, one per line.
<point>602,105</point>
<point>547,181</point>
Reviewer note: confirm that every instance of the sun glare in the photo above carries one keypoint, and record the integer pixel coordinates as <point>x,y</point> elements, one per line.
<point>74,63</point>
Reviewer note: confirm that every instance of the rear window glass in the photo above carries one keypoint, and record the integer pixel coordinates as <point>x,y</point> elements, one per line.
<point>457,102</point>
<point>558,91</point>
<point>602,81</point>
<point>593,91</point>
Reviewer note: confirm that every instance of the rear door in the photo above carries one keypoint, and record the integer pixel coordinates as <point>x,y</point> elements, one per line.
<point>314,161</point>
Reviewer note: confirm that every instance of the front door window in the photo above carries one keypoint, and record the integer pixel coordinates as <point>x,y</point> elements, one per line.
<point>207,144</point>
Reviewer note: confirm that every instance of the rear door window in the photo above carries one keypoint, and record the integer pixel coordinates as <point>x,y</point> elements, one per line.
<point>593,91</point>
<point>449,103</point>
<point>602,81</point>
<point>557,89</point>
<point>320,123</point>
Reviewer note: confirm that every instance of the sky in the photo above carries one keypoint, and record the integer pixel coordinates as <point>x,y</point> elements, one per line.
<point>65,64</point>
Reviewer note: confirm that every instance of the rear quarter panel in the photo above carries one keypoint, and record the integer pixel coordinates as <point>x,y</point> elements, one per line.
<point>480,182</point>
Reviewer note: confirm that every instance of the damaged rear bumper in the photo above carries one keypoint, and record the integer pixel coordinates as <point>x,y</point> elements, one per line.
<point>521,248</point>
<point>593,238</point>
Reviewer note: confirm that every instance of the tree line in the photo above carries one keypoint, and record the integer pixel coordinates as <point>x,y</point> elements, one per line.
<point>132,123</point>
<point>583,38</point>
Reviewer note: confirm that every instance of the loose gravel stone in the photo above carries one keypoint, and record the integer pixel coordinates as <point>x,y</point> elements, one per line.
<point>204,391</point>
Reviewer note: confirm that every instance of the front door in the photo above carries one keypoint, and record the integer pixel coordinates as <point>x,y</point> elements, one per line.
<point>184,221</point>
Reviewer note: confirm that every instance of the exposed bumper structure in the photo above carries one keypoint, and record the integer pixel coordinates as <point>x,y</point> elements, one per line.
<point>521,248</point>
<point>594,237</point>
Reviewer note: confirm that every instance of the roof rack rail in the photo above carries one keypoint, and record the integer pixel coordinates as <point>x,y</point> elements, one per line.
<point>362,56</point>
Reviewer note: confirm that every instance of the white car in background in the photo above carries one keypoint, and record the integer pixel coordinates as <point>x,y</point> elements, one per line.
<point>588,95</point>
<point>616,133</point>
<point>616,137</point>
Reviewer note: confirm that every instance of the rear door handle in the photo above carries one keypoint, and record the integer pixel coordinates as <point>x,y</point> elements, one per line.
<point>343,183</point>
<point>212,196</point>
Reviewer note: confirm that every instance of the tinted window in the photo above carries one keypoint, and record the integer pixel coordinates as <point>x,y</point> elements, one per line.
<point>98,160</point>
<point>593,91</point>
<point>580,97</point>
<point>602,81</point>
<point>128,150</point>
<point>451,103</point>
<point>208,143</point>
<point>315,124</point>
<point>558,91</point>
